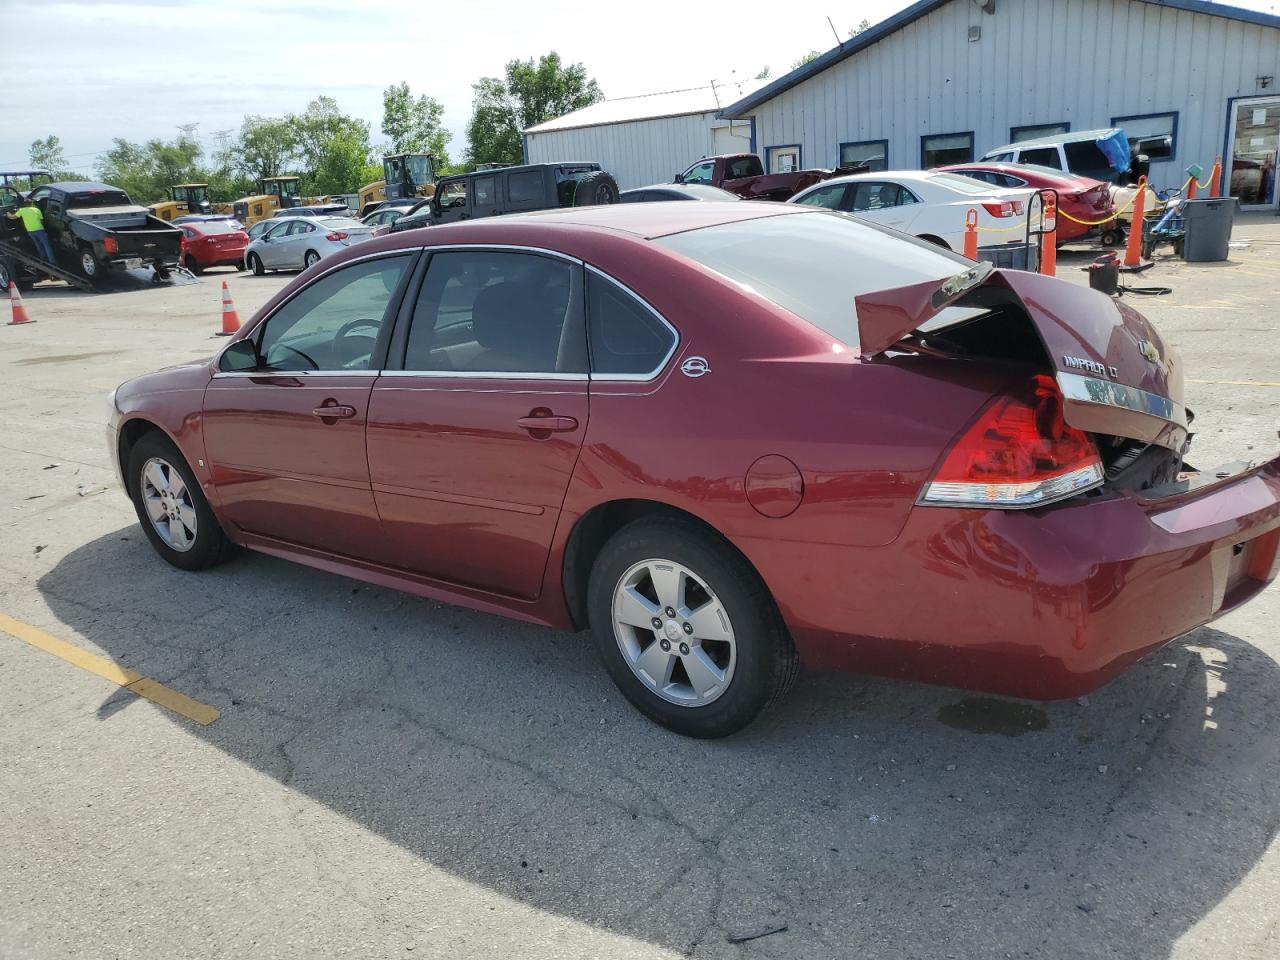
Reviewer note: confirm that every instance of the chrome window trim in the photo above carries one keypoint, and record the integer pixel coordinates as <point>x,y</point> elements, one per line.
<point>483,375</point>
<point>500,248</point>
<point>662,364</point>
<point>217,359</point>
<point>268,374</point>
<point>1108,393</point>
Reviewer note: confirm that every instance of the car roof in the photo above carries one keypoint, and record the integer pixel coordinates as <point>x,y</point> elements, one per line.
<point>695,189</point>
<point>524,168</point>
<point>81,186</point>
<point>1055,140</point>
<point>916,176</point>
<point>1013,168</point>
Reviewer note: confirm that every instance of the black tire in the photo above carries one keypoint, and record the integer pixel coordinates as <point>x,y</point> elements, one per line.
<point>193,265</point>
<point>596,187</point>
<point>766,662</point>
<point>211,546</point>
<point>6,276</point>
<point>87,264</point>
<point>310,259</point>
<point>1112,238</point>
<point>255,264</point>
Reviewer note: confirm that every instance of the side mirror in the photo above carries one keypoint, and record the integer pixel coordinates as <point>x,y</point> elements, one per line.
<point>239,356</point>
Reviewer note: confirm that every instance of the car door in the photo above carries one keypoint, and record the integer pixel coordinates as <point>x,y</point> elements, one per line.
<point>473,440</point>
<point>284,433</point>
<point>271,250</point>
<point>297,241</point>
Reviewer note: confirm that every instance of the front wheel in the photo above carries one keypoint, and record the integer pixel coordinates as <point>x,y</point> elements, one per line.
<point>686,629</point>
<point>174,513</point>
<point>255,264</point>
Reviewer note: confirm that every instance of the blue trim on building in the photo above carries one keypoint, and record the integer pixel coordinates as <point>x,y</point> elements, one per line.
<point>524,147</point>
<point>1119,122</point>
<point>753,135</point>
<point>884,28</point>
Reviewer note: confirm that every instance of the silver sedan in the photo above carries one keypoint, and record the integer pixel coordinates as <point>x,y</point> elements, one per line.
<point>294,243</point>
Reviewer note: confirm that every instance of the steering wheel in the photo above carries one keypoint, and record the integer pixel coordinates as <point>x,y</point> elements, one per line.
<point>285,346</point>
<point>346,329</point>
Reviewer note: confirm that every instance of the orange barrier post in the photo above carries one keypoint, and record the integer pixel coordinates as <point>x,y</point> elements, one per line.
<point>1049,236</point>
<point>19,311</point>
<point>230,319</point>
<point>1191,187</point>
<point>1133,252</point>
<point>1215,176</point>
<point>971,234</point>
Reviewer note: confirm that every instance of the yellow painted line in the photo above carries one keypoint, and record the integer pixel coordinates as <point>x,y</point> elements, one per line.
<point>131,680</point>
<point>1241,383</point>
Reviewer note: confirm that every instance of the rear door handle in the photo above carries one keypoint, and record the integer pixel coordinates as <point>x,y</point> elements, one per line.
<point>331,411</point>
<point>549,424</point>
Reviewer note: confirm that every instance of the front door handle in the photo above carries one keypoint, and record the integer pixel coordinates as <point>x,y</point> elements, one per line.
<point>331,411</point>
<point>547,423</point>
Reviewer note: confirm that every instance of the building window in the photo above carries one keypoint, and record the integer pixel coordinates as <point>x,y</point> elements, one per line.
<point>1155,134</point>
<point>940,149</point>
<point>783,159</point>
<point>1037,130</point>
<point>870,155</point>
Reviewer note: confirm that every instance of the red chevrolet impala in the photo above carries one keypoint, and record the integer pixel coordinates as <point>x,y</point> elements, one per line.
<point>730,438</point>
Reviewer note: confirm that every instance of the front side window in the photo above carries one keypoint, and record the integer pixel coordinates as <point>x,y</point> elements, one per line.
<point>278,231</point>
<point>1042,156</point>
<point>871,155</point>
<point>700,172</point>
<point>828,198</point>
<point>334,323</point>
<point>942,149</point>
<point>626,337</point>
<point>487,311</point>
<point>453,194</point>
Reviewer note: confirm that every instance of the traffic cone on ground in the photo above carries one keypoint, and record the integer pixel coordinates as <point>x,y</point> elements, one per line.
<point>230,319</point>
<point>1133,252</point>
<point>19,311</point>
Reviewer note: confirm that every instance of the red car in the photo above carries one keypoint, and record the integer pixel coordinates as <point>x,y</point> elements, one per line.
<point>1081,197</point>
<point>730,438</point>
<point>213,243</point>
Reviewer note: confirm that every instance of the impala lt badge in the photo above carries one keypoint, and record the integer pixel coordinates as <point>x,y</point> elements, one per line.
<point>695,367</point>
<point>1093,366</point>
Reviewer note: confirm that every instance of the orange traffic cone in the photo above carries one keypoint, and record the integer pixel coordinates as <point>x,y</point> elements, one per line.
<point>19,311</point>
<point>230,319</point>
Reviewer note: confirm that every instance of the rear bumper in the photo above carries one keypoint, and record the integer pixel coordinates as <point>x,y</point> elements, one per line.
<point>1043,604</point>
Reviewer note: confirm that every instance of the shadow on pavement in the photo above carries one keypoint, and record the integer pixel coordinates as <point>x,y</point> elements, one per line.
<point>870,817</point>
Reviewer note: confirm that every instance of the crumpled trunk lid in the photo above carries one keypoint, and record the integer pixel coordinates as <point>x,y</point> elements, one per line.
<point>1116,374</point>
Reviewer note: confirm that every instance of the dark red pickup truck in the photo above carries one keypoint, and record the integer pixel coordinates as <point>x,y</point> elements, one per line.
<point>743,174</point>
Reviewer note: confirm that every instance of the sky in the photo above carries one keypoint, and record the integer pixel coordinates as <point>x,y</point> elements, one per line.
<point>101,69</point>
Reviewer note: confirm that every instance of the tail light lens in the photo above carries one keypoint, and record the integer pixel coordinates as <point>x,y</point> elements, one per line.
<point>336,235</point>
<point>1004,208</point>
<point>1019,453</point>
<point>111,245</point>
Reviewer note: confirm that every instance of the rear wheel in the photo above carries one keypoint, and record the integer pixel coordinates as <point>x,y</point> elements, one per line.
<point>595,188</point>
<point>174,513</point>
<point>686,629</point>
<point>192,264</point>
<point>90,269</point>
<point>255,264</point>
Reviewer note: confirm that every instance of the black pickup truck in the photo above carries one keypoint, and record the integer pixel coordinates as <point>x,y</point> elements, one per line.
<point>95,228</point>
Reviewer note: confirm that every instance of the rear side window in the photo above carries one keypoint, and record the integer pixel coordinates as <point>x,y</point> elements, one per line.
<point>485,311</point>
<point>626,337</point>
<point>1044,156</point>
<point>744,167</point>
<point>524,187</point>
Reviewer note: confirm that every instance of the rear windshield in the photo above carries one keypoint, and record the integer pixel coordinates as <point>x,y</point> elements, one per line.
<point>99,198</point>
<point>961,184</point>
<point>345,223</point>
<point>218,226</point>
<point>814,264</point>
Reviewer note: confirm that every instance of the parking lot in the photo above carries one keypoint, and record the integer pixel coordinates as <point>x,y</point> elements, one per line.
<point>388,776</point>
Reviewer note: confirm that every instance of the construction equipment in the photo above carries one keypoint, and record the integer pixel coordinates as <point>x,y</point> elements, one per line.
<point>274,193</point>
<point>403,175</point>
<point>183,198</point>
<point>20,182</point>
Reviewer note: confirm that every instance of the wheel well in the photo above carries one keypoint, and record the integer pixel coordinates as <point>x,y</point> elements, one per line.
<point>130,434</point>
<point>594,529</point>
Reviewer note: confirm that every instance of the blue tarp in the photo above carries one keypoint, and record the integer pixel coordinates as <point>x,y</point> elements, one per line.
<point>1115,147</point>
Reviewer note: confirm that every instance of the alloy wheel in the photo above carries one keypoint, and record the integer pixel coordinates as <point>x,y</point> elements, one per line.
<point>169,505</point>
<point>87,263</point>
<point>674,633</point>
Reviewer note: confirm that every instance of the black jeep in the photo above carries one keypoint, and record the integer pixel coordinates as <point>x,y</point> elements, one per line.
<point>488,193</point>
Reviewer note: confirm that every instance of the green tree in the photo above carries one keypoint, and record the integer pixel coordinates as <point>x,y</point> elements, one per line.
<point>47,155</point>
<point>145,171</point>
<point>265,147</point>
<point>531,93</point>
<point>343,165</point>
<point>322,124</point>
<point>414,125</point>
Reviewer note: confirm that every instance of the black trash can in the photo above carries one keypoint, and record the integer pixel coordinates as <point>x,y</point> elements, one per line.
<point>1208,225</point>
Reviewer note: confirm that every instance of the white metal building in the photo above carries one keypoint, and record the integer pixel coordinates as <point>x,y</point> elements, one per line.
<point>646,139</point>
<point>946,80</point>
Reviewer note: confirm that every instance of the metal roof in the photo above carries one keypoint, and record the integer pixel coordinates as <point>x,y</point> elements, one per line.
<point>920,8</point>
<point>652,106</point>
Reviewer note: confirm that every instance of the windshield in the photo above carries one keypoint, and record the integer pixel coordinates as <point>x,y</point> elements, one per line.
<point>815,264</point>
<point>420,171</point>
<point>98,198</point>
<point>960,183</point>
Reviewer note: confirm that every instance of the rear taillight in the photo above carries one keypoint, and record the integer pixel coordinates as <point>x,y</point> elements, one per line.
<point>336,235</point>
<point>1019,453</point>
<point>111,245</point>
<point>1005,208</point>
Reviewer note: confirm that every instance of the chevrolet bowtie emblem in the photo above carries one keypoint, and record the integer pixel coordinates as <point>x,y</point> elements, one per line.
<point>1149,350</point>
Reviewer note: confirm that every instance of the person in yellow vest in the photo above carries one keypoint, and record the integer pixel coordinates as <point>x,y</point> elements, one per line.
<point>33,220</point>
